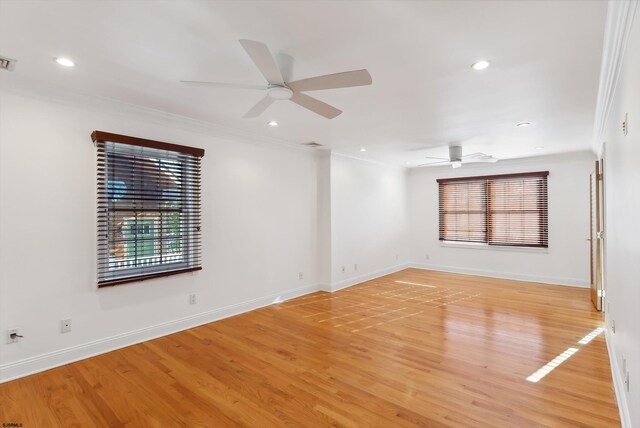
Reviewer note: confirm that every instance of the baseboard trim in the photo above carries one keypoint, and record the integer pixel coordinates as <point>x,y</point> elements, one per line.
<point>339,285</point>
<point>39,363</point>
<point>572,282</point>
<point>618,382</point>
<point>325,287</point>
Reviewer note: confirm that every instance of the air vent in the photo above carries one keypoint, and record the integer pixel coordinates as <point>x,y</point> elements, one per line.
<point>312,144</point>
<point>7,64</point>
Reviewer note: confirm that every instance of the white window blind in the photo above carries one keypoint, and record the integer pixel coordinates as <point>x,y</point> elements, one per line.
<point>148,209</point>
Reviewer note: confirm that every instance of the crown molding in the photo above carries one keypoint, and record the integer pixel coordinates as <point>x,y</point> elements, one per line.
<point>620,14</point>
<point>30,88</point>
<point>370,161</point>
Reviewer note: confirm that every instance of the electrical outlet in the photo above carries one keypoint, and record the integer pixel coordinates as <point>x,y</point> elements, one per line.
<point>355,266</point>
<point>192,299</point>
<point>397,257</point>
<point>626,381</point>
<point>613,326</point>
<point>343,269</point>
<point>65,325</point>
<point>426,256</point>
<point>300,275</point>
<point>625,125</point>
<point>13,339</point>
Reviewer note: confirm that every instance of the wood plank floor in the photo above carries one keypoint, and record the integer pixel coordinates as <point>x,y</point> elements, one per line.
<point>415,348</point>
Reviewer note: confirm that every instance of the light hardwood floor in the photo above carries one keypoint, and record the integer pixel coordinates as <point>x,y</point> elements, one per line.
<point>415,348</point>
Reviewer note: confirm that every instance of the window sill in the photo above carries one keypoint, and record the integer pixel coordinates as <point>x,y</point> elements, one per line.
<point>480,246</point>
<point>112,282</point>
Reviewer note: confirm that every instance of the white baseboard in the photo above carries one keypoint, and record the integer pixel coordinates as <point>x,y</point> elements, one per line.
<point>339,285</point>
<point>27,366</point>
<point>573,282</point>
<point>31,365</point>
<point>618,382</point>
<point>325,287</point>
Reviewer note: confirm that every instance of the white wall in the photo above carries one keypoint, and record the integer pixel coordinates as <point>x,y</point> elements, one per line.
<point>368,220</point>
<point>566,261</point>
<point>622,229</point>
<point>260,229</point>
<point>269,212</point>
<point>324,219</point>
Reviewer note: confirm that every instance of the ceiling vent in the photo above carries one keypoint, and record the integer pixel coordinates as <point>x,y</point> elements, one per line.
<point>312,144</point>
<point>7,64</point>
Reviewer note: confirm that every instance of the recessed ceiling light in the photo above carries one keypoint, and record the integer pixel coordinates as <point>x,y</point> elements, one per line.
<point>521,124</point>
<point>481,65</point>
<point>272,123</point>
<point>539,148</point>
<point>65,62</point>
<point>363,149</point>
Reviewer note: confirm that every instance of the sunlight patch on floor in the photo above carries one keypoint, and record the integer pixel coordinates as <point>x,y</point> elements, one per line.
<point>551,365</point>
<point>415,283</point>
<point>589,337</point>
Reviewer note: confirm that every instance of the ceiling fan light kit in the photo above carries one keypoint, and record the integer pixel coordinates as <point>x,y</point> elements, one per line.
<point>279,90</point>
<point>280,93</point>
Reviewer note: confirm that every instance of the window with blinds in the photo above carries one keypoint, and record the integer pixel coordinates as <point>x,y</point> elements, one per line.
<point>506,209</point>
<point>148,208</point>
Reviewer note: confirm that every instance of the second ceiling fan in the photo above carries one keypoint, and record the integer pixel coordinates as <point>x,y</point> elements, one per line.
<point>278,89</point>
<point>456,158</point>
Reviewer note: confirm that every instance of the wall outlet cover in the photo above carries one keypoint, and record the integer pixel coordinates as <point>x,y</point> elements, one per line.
<point>9,333</point>
<point>627,381</point>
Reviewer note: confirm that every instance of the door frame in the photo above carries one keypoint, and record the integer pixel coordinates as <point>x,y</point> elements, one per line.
<point>596,244</point>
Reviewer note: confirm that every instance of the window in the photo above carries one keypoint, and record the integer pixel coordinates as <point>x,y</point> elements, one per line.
<point>496,210</point>
<point>148,208</point>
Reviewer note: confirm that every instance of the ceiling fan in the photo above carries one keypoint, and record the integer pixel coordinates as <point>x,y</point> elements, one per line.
<point>278,89</point>
<point>456,158</point>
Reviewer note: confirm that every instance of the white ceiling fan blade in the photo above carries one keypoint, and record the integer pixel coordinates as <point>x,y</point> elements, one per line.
<point>223,85</point>
<point>316,106</point>
<point>488,159</point>
<point>432,157</point>
<point>260,107</point>
<point>346,79</point>
<point>444,162</point>
<point>262,58</point>
<point>475,155</point>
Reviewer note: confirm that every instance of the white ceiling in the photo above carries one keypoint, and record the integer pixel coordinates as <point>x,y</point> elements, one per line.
<point>545,67</point>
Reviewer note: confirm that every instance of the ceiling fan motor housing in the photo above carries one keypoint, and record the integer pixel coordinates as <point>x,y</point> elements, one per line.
<point>455,153</point>
<point>280,93</point>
